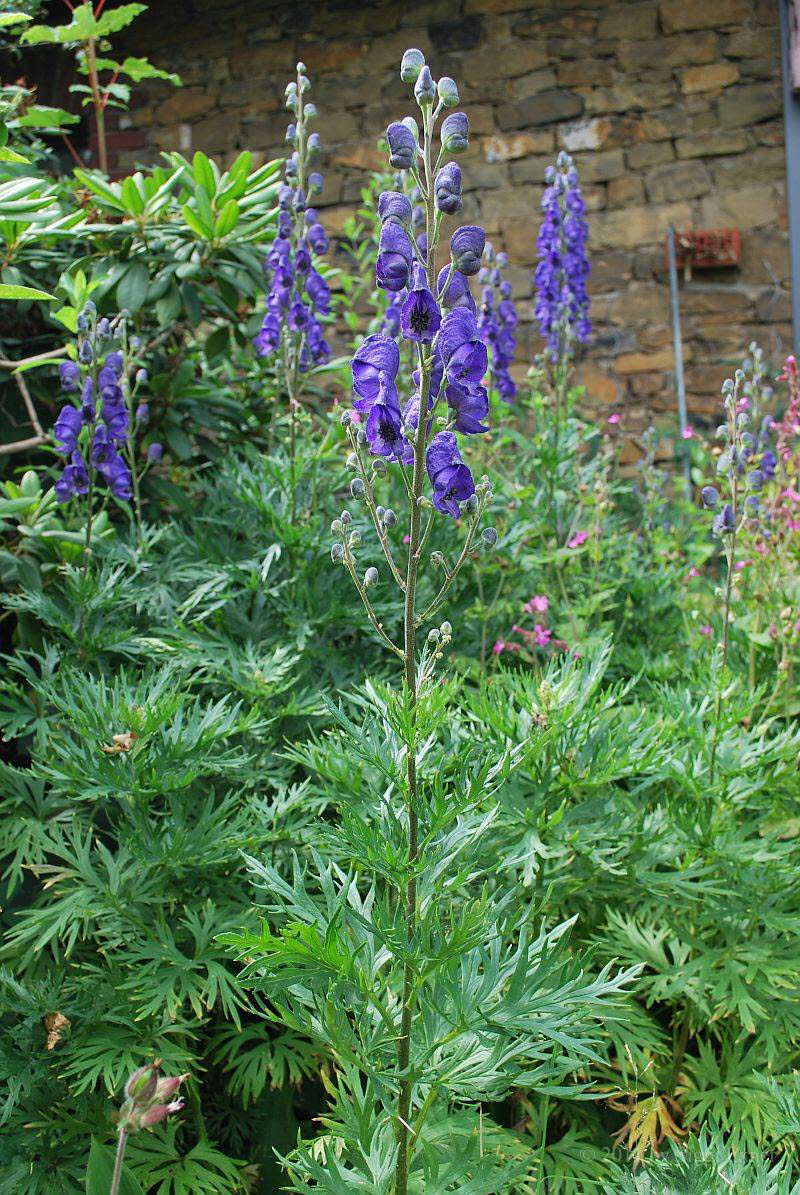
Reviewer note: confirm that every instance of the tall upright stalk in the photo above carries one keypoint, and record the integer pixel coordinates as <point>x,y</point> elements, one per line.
<point>410,677</point>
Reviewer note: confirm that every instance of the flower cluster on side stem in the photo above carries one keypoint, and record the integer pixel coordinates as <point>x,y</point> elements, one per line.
<point>99,432</point>
<point>497,322</point>
<point>298,294</point>
<point>562,303</point>
<point>413,425</point>
<point>735,502</point>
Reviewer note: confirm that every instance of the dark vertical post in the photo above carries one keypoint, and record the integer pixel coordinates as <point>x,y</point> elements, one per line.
<point>677,344</point>
<point>790,56</point>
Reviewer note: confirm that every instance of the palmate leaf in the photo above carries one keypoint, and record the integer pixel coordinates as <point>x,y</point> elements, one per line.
<point>256,1057</point>
<point>165,1167</point>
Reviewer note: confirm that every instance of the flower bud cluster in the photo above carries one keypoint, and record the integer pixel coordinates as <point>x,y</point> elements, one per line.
<point>562,302</point>
<point>149,1098</point>
<point>96,430</point>
<point>298,294</point>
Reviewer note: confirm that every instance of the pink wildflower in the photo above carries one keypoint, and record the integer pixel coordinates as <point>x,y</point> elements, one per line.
<point>541,635</point>
<point>580,537</point>
<point>688,432</point>
<point>499,647</point>
<point>707,631</point>
<point>615,418</point>
<point>693,572</point>
<point>538,604</point>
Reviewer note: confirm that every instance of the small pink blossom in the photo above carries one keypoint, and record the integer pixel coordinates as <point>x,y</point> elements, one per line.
<point>538,604</point>
<point>693,572</point>
<point>580,537</point>
<point>541,635</point>
<point>707,631</point>
<point>615,418</point>
<point>499,647</point>
<point>355,416</point>
<point>406,539</point>
<point>688,432</point>
<point>740,564</point>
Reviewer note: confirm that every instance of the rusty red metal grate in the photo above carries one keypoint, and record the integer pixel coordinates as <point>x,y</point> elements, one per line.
<point>707,249</point>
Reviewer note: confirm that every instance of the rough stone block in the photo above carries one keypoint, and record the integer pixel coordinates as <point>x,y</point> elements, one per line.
<point>707,145</point>
<point>518,145</point>
<point>649,154</point>
<point>668,52</point>
<point>677,180</point>
<point>709,78</point>
<point>545,108</point>
<point>679,15</point>
<point>628,189</point>
<point>748,105</point>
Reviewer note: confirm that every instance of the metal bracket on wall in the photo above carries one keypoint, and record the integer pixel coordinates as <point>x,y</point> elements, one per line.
<point>790,56</point>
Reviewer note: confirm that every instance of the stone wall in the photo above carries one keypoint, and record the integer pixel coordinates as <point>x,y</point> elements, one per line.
<point>672,109</point>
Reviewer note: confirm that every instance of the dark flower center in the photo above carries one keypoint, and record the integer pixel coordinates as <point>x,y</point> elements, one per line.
<point>420,318</point>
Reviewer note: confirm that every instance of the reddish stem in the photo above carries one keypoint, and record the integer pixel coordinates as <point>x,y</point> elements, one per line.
<point>71,149</point>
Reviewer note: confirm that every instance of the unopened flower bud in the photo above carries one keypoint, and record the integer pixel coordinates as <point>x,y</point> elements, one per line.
<point>402,146</point>
<point>355,538</point>
<point>141,1086</point>
<point>390,518</point>
<point>425,88</point>
<point>86,354</point>
<point>437,559</point>
<point>727,386</point>
<point>336,527</point>
<point>141,377</point>
<point>379,467</point>
<point>448,92</point>
<point>346,517</point>
<point>710,496</point>
<point>755,479</point>
<point>489,536</point>
<point>337,553</point>
<point>352,461</point>
<point>371,577</point>
<point>357,488</point>
<point>155,452</point>
<point>454,134</point>
<point>142,413</point>
<point>346,418</point>
<point>412,64</point>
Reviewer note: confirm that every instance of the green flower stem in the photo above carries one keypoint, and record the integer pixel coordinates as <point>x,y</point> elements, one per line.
<point>122,1140</point>
<point>409,661</point>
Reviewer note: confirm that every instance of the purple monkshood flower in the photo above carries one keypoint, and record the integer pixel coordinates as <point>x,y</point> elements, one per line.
<point>74,480</point>
<point>463,352</point>
<point>451,479</point>
<point>70,376</point>
<point>447,188</point>
<point>723,523</point>
<point>317,239</point>
<point>377,354</point>
<point>466,248</point>
<point>395,255</point>
<point>384,428</point>
<point>457,293</point>
<point>67,429</point>
<point>402,146</point>
<point>155,452</point>
<point>117,476</point>
<point>496,324</point>
<point>562,302</point>
<point>471,406</point>
<point>420,317</point>
<point>394,205</point>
